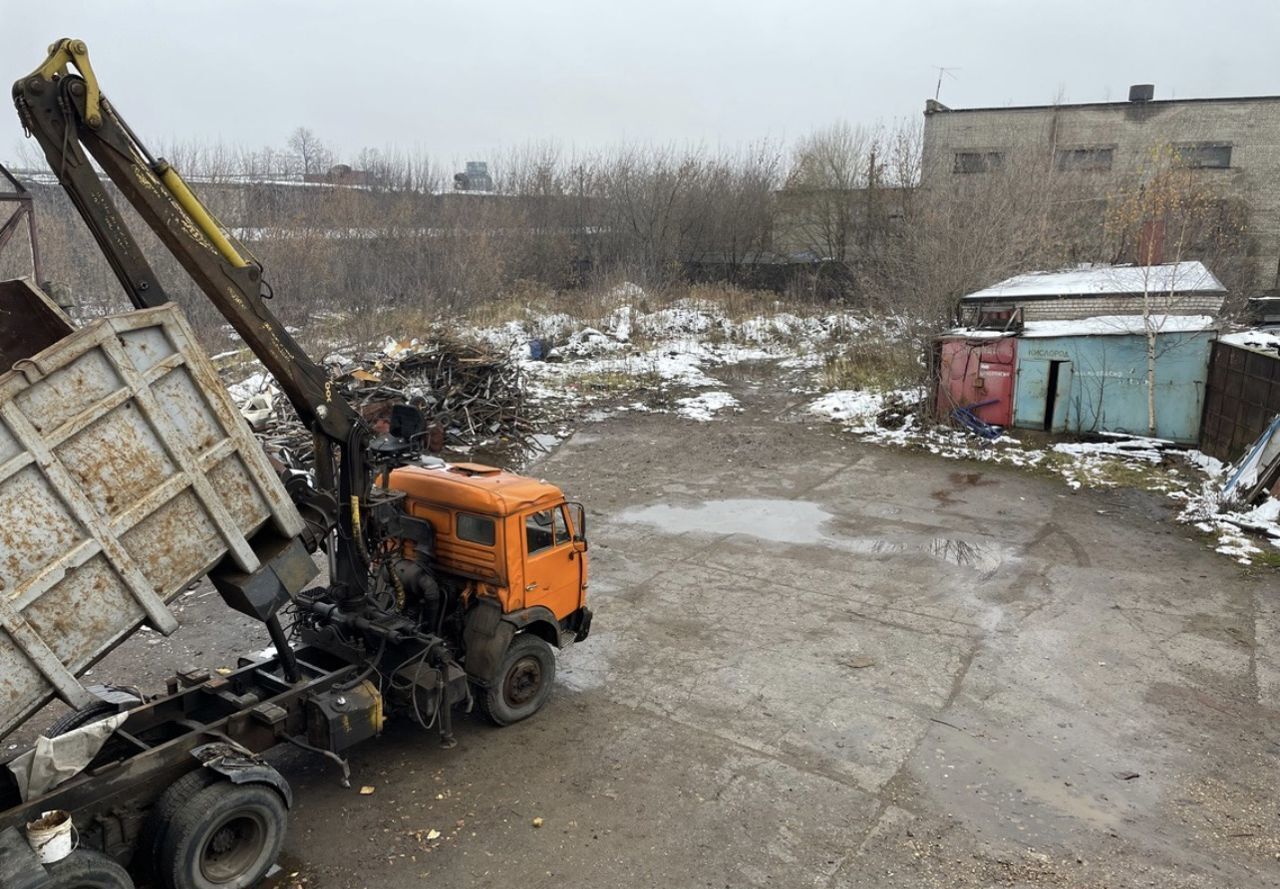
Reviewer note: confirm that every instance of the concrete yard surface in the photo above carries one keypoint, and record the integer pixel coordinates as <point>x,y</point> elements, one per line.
<point>819,663</point>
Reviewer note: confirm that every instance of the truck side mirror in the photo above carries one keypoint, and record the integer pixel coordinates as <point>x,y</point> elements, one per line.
<point>578,515</point>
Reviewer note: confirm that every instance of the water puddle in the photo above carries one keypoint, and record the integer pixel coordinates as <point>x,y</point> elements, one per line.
<point>979,556</point>
<point>805,522</point>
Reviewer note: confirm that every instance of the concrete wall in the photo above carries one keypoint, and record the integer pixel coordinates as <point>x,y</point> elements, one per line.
<point>1030,137</point>
<point>1102,387</point>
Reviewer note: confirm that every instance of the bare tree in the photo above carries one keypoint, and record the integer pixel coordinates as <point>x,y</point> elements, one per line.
<point>737,195</point>
<point>834,171</point>
<point>1163,216</point>
<point>310,152</point>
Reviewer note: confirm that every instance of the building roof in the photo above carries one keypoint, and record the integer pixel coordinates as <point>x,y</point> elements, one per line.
<point>1118,325</point>
<point>1099,325</point>
<point>1111,280</point>
<point>935,107</point>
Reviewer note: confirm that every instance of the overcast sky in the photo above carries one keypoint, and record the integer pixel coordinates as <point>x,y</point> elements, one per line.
<point>462,80</point>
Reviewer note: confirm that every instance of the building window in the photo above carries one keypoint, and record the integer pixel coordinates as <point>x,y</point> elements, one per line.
<point>979,161</point>
<point>1073,159</point>
<point>1203,155</point>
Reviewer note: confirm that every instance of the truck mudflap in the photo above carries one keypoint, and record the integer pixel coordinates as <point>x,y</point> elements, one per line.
<point>578,623</point>
<point>489,632</point>
<point>240,766</point>
<point>485,638</point>
<point>19,865</point>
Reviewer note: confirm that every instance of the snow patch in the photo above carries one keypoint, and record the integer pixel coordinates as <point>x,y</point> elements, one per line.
<point>857,409</point>
<point>1187,475</point>
<point>705,406</point>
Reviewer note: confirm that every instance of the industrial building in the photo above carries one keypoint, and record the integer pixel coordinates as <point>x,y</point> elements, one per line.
<point>1096,149</point>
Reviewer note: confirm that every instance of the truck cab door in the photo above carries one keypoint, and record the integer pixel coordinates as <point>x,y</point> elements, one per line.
<point>552,563</point>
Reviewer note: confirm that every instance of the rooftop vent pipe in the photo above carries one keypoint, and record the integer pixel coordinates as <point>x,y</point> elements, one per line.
<point>1142,92</point>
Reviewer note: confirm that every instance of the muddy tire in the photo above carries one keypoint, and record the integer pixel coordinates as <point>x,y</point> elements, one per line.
<point>80,718</point>
<point>85,869</point>
<point>523,681</point>
<point>170,803</point>
<point>226,836</point>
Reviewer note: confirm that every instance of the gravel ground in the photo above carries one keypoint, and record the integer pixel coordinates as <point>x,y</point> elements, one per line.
<point>822,663</point>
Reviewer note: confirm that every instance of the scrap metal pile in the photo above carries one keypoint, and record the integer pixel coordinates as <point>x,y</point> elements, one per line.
<point>1255,478</point>
<point>472,396</point>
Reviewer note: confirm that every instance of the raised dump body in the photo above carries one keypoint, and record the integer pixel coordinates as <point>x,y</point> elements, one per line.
<point>125,474</point>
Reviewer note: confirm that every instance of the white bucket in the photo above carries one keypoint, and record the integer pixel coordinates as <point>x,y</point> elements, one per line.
<point>50,837</point>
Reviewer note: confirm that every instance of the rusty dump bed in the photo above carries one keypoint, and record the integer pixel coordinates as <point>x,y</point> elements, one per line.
<point>125,473</point>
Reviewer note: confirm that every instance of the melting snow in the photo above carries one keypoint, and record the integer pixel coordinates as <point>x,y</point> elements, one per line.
<point>857,409</point>
<point>1239,532</point>
<point>669,348</point>
<point>1259,340</point>
<point>704,407</point>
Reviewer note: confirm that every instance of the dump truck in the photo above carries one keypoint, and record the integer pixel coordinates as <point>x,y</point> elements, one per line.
<point>413,586</point>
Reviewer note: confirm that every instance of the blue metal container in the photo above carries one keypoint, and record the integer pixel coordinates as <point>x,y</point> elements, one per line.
<point>1093,379</point>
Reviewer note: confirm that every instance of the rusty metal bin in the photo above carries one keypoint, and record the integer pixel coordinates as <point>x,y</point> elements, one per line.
<point>125,474</point>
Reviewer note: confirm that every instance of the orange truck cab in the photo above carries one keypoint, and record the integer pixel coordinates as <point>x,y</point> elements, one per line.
<point>516,552</point>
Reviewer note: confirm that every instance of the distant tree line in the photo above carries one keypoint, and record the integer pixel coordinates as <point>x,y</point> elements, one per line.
<point>840,212</point>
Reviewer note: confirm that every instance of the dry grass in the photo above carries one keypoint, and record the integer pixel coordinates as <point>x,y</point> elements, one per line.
<point>1268,558</point>
<point>872,361</point>
<point>528,303</point>
<point>616,381</point>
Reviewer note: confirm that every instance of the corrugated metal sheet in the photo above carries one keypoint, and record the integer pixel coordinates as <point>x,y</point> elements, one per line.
<point>1086,384</point>
<point>1242,398</point>
<point>125,473</point>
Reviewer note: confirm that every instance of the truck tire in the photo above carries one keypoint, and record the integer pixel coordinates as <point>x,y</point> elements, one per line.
<point>86,869</point>
<point>178,794</point>
<point>82,717</point>
<point>226,836</point>
<point>523,681</point>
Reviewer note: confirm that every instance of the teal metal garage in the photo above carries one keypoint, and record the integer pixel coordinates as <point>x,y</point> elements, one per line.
<point>1090,375</point>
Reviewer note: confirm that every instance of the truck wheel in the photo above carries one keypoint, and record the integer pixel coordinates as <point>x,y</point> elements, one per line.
<point>162,814</point>
<point>227,836</point>
<point>523,682</point>
<point>79,718</point>
<point>85,869</point>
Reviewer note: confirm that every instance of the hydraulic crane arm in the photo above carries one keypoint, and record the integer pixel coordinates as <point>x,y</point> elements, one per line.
<point>67,114</point>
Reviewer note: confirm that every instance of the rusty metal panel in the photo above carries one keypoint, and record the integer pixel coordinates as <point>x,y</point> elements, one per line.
<point>125,473</point>
<point>29,321</point>
<point>976,371</point>
<point>1242,398</point>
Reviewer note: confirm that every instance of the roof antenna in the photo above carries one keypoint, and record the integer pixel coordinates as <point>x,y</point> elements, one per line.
<point>937,91</point>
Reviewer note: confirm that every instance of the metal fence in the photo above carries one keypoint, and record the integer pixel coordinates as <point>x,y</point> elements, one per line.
<point>1242,398</point>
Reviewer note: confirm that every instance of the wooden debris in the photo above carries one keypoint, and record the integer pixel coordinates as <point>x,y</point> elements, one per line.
<point>472,395</point>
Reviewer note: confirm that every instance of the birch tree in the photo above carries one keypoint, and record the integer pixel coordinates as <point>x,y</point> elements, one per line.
<point>1168,214</point>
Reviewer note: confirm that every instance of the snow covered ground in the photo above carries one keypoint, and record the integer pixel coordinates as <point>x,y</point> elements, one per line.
<point>666,355</point>
<point>665,359</point>
<point>1185,475</point>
